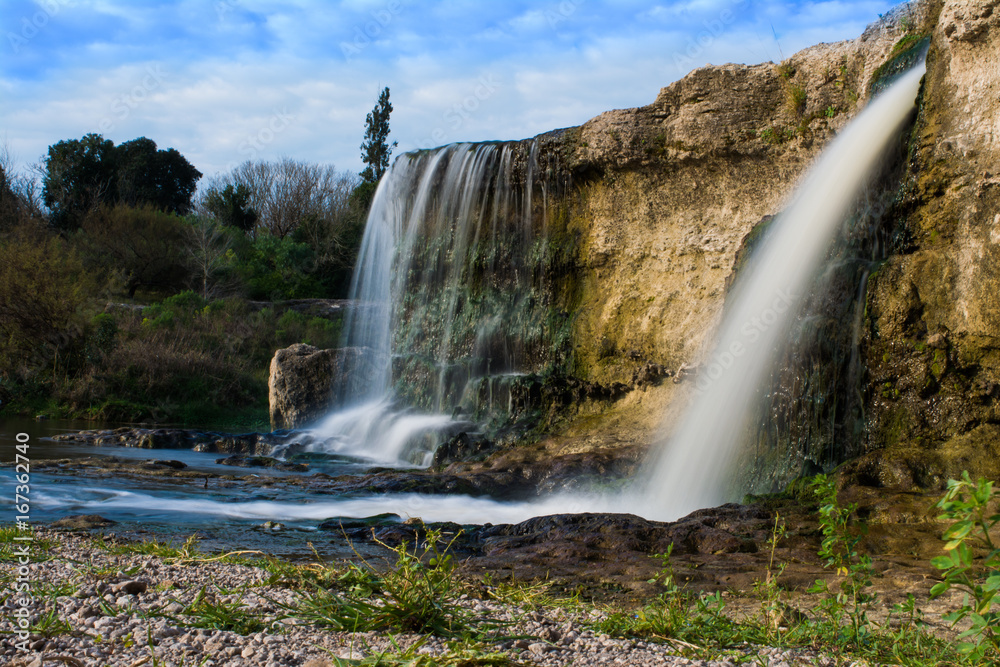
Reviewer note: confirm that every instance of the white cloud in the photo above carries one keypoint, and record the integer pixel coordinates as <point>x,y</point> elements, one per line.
<point>226,76</point>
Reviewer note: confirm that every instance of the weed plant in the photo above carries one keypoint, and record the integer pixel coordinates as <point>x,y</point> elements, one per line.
<point>971,563</point>
<point>848,607</point>
<point>419,593</point>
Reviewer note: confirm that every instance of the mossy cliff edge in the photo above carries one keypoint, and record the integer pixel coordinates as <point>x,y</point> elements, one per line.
<point>932,344</point>
<point>663,199</point>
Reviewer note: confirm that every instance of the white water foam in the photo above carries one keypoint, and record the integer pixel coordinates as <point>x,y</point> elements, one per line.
<point>460,509</point>
<point>378,431</point>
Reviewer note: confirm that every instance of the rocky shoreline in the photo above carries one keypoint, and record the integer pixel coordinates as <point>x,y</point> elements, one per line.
<point>120,609</point>
<point>109,598</point>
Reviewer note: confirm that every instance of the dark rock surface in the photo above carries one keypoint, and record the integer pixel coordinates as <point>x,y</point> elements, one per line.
<point>243,461</point>
<point>251,444</point>
<point>82,522</point>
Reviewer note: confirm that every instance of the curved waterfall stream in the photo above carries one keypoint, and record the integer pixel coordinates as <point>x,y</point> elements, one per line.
<point>695,467</point>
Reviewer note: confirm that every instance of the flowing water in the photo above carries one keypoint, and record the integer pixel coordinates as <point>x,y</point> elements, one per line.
<point>452,305</point>
<point>455,310</point>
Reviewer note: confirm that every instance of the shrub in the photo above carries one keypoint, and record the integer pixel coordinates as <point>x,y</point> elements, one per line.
<point>143,245</point>
<point>972,510</point>
<point>44,297</point>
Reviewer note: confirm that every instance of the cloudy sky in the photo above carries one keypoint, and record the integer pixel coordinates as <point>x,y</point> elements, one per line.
<point>223,81</point>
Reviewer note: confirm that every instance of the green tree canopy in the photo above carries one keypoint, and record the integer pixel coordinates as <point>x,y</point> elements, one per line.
<point>81,174</point>
<point>161,178</point>
<point>375,149</point>
<point>231,206</point>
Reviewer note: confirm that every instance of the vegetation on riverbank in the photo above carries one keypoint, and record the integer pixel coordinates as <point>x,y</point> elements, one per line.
<point>125,295</point>
<point>126,312</point>
<point>181,360</point>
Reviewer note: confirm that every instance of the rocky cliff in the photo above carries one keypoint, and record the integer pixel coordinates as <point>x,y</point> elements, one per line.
<point>667,198</point>
<point>666,195</point>
<point>933,337</point>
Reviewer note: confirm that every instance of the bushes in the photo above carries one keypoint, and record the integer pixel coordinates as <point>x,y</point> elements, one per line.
<point>145,246</point>
<point>275,268</point>
<point>185,359</point>
<point>45,296</point>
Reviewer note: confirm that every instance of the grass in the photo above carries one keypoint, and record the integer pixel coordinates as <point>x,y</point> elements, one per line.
<point>419,593</point>
<point>459,654</point>
<point>418,590</point>
<point>209,612</point>
<point>11,542</point>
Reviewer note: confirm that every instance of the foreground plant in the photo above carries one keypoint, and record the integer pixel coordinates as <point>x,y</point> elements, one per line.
<point>839,550</point>
<point>691,622</point>
<point>458,654</point>
<point>971,509</point>
<point>419,593</point>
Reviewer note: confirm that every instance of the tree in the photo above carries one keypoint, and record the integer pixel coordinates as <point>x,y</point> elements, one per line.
<point>81,174</point>
<point>209,245</point>
<point>231,206</point>
<point>44,291</point>
<point>375,150</point>
<point>19,202</point>
<point>162,178</point>
<point>144,245</point>
<point>282,194</point>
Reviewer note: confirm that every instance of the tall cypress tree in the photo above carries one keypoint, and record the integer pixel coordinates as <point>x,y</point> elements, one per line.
<point>375,149</point>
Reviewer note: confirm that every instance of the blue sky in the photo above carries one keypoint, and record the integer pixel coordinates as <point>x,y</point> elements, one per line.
<point>223,81</point>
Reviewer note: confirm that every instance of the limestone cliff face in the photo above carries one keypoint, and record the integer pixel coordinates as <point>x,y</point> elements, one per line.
<point>665,196</point>
<point>933,345</point>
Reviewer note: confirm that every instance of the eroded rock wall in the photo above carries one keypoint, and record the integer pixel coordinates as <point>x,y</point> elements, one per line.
<point>665,196</point>
<point>933,344</point>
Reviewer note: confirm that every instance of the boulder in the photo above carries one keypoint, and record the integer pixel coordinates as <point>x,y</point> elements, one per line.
<point>306,382</point>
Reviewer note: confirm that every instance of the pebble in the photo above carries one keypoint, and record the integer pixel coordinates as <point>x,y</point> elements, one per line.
<point>151,615</point>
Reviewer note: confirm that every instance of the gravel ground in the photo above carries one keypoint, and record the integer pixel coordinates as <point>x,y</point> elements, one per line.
<point>136,588</point>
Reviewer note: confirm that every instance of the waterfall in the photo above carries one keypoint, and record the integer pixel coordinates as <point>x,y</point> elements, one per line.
<point>453,307</point>
<point>694,467</point>
<point>451,303</point>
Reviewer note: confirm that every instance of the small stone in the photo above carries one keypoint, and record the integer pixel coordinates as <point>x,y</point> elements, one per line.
<point>248,652</point>
<point>538,648</point>
<point>938,341</point>
<point>131,587</point>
